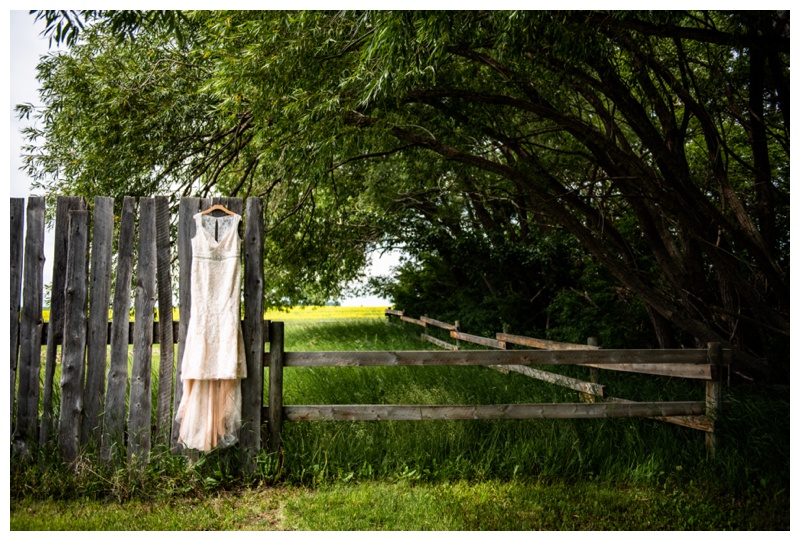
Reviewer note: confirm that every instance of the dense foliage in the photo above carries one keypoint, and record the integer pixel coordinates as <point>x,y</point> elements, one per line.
<point>525,160</point>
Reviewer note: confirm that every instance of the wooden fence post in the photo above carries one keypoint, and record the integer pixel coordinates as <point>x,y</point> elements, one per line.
<point>458,328</point>
<point>17,214</point>
<point>141,401</point>
<point>189,206</point>
<point>30,326</point>
<point>55,327</point>
<point>713,394</point>
<point>253,332</point>
<point>117,379</point>
<point>97,338</point>
<point>276,360</point>
<point>166,344</point>
<point>594,373</point>
<point>73,348</point>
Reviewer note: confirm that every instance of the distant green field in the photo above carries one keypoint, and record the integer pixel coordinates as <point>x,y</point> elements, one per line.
<point>297,313</point>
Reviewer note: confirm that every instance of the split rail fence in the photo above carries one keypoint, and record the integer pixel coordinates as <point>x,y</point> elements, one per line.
<point>699,364</point>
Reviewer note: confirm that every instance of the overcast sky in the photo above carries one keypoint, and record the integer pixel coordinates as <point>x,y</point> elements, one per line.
<point>25,48</point>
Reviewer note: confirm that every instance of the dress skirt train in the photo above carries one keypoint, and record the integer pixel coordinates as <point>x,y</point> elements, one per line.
<point>210,413</point>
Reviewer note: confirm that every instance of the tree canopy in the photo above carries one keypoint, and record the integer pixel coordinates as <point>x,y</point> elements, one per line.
<point>522,154</point>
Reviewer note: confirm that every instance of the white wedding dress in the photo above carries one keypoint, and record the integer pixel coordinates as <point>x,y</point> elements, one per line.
<point>213,362</point>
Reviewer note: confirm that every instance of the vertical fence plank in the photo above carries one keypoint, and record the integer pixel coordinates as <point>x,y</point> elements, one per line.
<point>276,360</point>
<point>713,394</point>
<point>17,212</point>
<point>117,381</point>
<point>166,347</point>
<point>55,327</point>
<point>253,385</point>
<point>189,206</point>
<point>141,401</point>
<point>99,294</point>
<point>73,349</point>
<point>31,321</point>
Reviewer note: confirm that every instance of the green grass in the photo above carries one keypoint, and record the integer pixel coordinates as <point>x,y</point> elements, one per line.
<point>409,505</point>
<point>465,475</point>
<point>245,509</point>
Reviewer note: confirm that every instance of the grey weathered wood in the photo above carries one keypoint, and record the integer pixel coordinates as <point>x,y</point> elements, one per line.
<point>579,410</point>
<point>30,330</point>
<point>594,372</point>
<point>440,343</point>
<point>252,331</point>
<point>713,396</point>
<point>56,328</point>
<point>17,215</point>
<point>98,331</point>
<point>141,402</point>
<point>276,364</point>
<point>74,349</point>
<point>540,343</point>
<point>484,357</point>
<point>689,371</point>
<point>489,342</point>
<point>586,387</point>
<point>437,323</point>
<point>394,313</point>
<point>117,380</point>
<point>697,422</point>
<point>167,351</point>
<point>412,320</point>
<point>189,206</point>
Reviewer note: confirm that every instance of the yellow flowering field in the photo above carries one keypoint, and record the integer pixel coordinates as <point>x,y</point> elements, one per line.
<point>308,313</point>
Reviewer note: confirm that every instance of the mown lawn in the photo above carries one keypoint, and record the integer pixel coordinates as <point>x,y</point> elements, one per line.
<point>403,505</point>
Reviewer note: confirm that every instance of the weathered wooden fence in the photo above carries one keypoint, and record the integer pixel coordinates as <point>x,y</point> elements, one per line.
<point>96,408</point>
<point>700,364</point>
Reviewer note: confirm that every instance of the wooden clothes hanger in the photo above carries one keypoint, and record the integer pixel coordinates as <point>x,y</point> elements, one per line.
<point>216,225</point>
<point>218,207</point>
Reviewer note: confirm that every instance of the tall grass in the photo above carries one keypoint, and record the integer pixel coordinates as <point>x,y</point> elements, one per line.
<point>752,463</point>
<point>754,433</point>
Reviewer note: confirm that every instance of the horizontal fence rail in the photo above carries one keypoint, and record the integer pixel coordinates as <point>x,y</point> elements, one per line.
<point>482,357</point>
<point>490,342</point>
<point>441,343</point>
<point>440,324</point>
<point>540,343</point>
<point>578,410</point>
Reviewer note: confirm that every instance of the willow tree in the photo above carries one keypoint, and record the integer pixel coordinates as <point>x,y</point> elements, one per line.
<point>660,141</point>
